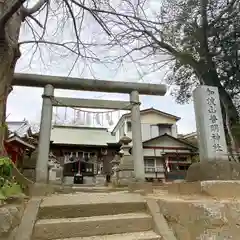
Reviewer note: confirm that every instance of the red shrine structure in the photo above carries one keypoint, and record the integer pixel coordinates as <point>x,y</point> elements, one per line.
<point>19,141</point>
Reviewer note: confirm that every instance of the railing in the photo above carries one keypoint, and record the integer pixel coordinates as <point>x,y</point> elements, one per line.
<point>154,169</point>
<point>66,159</point>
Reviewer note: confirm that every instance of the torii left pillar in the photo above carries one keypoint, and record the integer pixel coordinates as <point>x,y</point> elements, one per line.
<point>45,134</point>
<point>137,137</point>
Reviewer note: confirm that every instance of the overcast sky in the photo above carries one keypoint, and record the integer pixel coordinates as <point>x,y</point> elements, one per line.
<point>26,102</point>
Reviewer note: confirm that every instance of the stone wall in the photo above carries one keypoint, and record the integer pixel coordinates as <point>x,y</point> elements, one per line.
<point>207,210</point>
<point>10,217</point>
<point>29,165</point>
<point>202,220</point>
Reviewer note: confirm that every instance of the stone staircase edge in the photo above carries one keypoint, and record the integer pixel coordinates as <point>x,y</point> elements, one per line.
<point>150,235</point>
<point>138,215</point>
<point>29,218</point>
<point>57,228</point>
<point>161,226</point>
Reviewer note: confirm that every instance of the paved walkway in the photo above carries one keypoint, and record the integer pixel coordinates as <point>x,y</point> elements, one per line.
<point>164,195</point>
<point>88,198</point>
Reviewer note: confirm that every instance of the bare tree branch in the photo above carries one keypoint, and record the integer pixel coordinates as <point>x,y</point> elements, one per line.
<point>74,22</point>
<point>37,22</point>
<point>28,11</point>
<point>91,10</point>
<point>95,16</point>
<point>64,45</point>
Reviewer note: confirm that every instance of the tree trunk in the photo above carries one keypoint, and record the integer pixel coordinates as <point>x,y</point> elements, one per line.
<point>209,76</point>
<point>9,54</point>
<point>6,75</point>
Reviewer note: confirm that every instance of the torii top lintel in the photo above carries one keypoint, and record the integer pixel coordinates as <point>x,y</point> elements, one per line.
<point>83,84</point>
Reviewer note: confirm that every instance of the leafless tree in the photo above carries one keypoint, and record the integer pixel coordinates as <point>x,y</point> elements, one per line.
<point>45,20</point>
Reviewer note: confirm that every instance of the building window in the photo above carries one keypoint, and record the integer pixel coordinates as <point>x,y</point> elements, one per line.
<point>154,165</point>
<point>164,129</point>
<point>149,165</point>
<point>86,156</point>
<point>129,126</point>
<point>159,165</point>
<point>177,159</point>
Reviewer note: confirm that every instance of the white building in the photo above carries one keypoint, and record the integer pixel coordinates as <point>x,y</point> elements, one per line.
<point>153,123</point>
<point>165,156</point>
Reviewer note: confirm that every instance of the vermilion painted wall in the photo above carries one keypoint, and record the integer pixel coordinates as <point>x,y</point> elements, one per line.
<point>14,151</point>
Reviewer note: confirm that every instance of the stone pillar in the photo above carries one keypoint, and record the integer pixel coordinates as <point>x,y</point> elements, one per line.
<point>137,150</point>
<point>126,166</point>
<point>210,130</point>
<point>44,138</point>
<point>214,164</point>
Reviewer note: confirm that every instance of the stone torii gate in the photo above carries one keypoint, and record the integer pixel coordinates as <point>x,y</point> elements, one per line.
<point>81,84</point>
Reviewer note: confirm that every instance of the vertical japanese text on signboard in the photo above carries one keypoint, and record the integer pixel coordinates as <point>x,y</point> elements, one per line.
<point>214,121</point>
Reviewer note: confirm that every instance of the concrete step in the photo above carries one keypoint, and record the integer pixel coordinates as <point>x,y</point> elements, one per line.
<point>87,205</point>
<point>48,229</point>
<point>148,235</point>
<point>88,210</point>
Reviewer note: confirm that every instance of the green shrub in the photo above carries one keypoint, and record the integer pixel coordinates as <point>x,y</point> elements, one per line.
<point>8,186</point>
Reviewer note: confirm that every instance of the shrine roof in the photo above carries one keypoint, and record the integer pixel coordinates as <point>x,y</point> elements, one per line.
<point>80,135</point>
<point>189,135</point>
<point>19,128</point>
<point>147,110</point>
<point>19,140</point>
<point>172,138</point>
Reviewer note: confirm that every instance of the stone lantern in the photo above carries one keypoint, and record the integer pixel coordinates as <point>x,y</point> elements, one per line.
<point>126,167</point>
<point>125,140</point>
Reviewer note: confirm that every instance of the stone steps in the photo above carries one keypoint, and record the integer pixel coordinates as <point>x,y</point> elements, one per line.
<point>148,235</point>
<point>47,229</point>
<point>97,216</point>
<point>90,204</point>
<point>86,210</point>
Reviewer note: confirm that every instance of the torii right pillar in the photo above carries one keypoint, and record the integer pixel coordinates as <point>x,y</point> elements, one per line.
<point>137,150</point>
